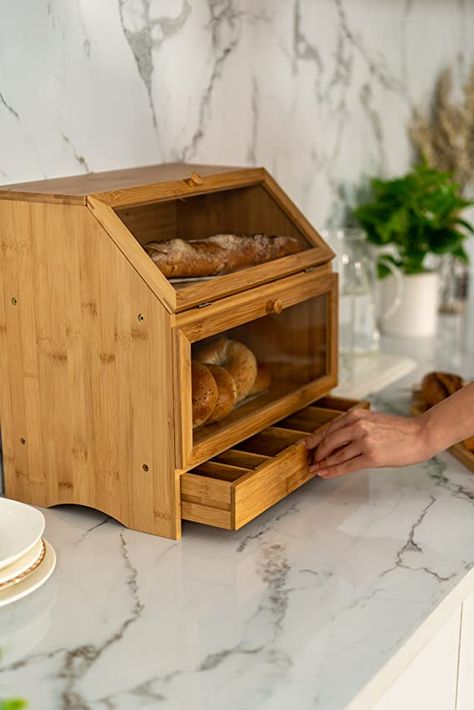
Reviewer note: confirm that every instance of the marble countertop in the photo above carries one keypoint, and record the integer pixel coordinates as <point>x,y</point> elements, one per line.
<point>309,606</point>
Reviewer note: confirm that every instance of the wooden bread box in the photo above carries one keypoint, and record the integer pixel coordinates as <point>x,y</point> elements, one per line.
<point>96,347</point>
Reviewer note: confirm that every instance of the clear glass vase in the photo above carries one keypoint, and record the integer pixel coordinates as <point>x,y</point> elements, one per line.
<point>454,284</point>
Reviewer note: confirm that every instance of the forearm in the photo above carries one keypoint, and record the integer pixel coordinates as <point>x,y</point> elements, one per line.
<point>450,421</point>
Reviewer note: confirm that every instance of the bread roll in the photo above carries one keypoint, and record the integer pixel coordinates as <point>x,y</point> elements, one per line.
<point>220,254</point>
<point>235,357</point>
<point>204,393</point>
<point>436,386</point>
<point>227,393</point>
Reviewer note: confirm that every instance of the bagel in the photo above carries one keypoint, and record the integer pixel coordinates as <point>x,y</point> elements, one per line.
<point>234,357</point>
<point>204,393</point>
<point>227,393</point>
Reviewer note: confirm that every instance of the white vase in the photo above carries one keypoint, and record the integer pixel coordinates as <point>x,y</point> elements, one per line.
<point>417,315</point>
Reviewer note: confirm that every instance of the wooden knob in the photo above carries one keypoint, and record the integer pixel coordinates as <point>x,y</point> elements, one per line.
<point>195,179</point>
<point>275,306</point>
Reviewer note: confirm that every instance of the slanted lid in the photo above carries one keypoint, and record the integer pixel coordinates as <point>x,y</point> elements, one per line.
<point>162,202</point>
<point>75,189</point>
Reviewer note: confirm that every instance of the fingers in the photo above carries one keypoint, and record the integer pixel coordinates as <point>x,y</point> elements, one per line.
<point>315,439</point>
<point>334,440</point>
<point>345,454</point>
<point>342,469</point>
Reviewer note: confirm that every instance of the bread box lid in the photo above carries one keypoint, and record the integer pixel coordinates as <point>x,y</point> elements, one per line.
<point>191,201</point>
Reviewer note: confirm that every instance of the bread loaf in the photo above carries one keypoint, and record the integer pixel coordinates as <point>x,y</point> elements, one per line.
<point>219,254</point>
<point>436,386</point>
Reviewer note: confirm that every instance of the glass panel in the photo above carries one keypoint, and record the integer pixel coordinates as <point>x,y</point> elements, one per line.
<point>243,211</point>
<point>263,361</point>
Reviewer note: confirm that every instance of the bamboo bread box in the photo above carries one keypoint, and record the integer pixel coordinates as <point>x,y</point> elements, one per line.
<point>97,345</point>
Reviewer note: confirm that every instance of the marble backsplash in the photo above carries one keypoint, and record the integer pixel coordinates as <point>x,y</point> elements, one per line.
<point>318,91</point>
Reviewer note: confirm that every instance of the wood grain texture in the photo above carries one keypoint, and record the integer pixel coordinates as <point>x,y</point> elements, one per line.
<point>133,252</point>
<point>172,189</point>
<point>199,323</point>
<point>75,188</point>
<point>95,346</point>
<point>86,397</point>
<point>207,515</point>
<point>271,483</point>
<point>183,413</point>
<point>245,279</point>
<point>151,223</point>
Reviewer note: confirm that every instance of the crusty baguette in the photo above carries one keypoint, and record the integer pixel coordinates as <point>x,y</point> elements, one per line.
<point>219,254</point>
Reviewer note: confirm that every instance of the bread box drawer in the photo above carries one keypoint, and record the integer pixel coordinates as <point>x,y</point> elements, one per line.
<point>235,486</point>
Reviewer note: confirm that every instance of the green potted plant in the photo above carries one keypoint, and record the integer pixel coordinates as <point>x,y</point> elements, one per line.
<point>411,219</point>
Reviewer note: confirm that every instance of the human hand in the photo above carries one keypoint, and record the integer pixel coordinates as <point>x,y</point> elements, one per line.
<point>364,439</point>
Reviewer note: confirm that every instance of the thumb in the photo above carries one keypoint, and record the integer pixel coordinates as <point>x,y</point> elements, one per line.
<point>314,440</point>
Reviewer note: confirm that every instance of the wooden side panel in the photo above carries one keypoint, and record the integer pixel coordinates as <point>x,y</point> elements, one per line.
<point>86,401</point>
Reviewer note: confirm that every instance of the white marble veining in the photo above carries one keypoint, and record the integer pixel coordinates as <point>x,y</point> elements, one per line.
<point>301,608</point>
<point>318,91</point>
<point>308,603</point>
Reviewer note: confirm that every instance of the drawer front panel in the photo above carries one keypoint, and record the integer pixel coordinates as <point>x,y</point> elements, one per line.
<point>237,485</point>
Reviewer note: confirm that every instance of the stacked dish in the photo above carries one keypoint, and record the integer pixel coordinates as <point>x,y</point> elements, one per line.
<point>26,559</point>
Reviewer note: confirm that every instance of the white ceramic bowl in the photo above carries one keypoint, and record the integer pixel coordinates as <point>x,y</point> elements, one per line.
<point>21,526</point>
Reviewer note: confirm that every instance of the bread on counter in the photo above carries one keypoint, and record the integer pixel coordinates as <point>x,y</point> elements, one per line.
<point>436,386</point>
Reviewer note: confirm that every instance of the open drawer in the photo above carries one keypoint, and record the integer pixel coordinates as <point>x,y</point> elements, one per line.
<point>235,486</point>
